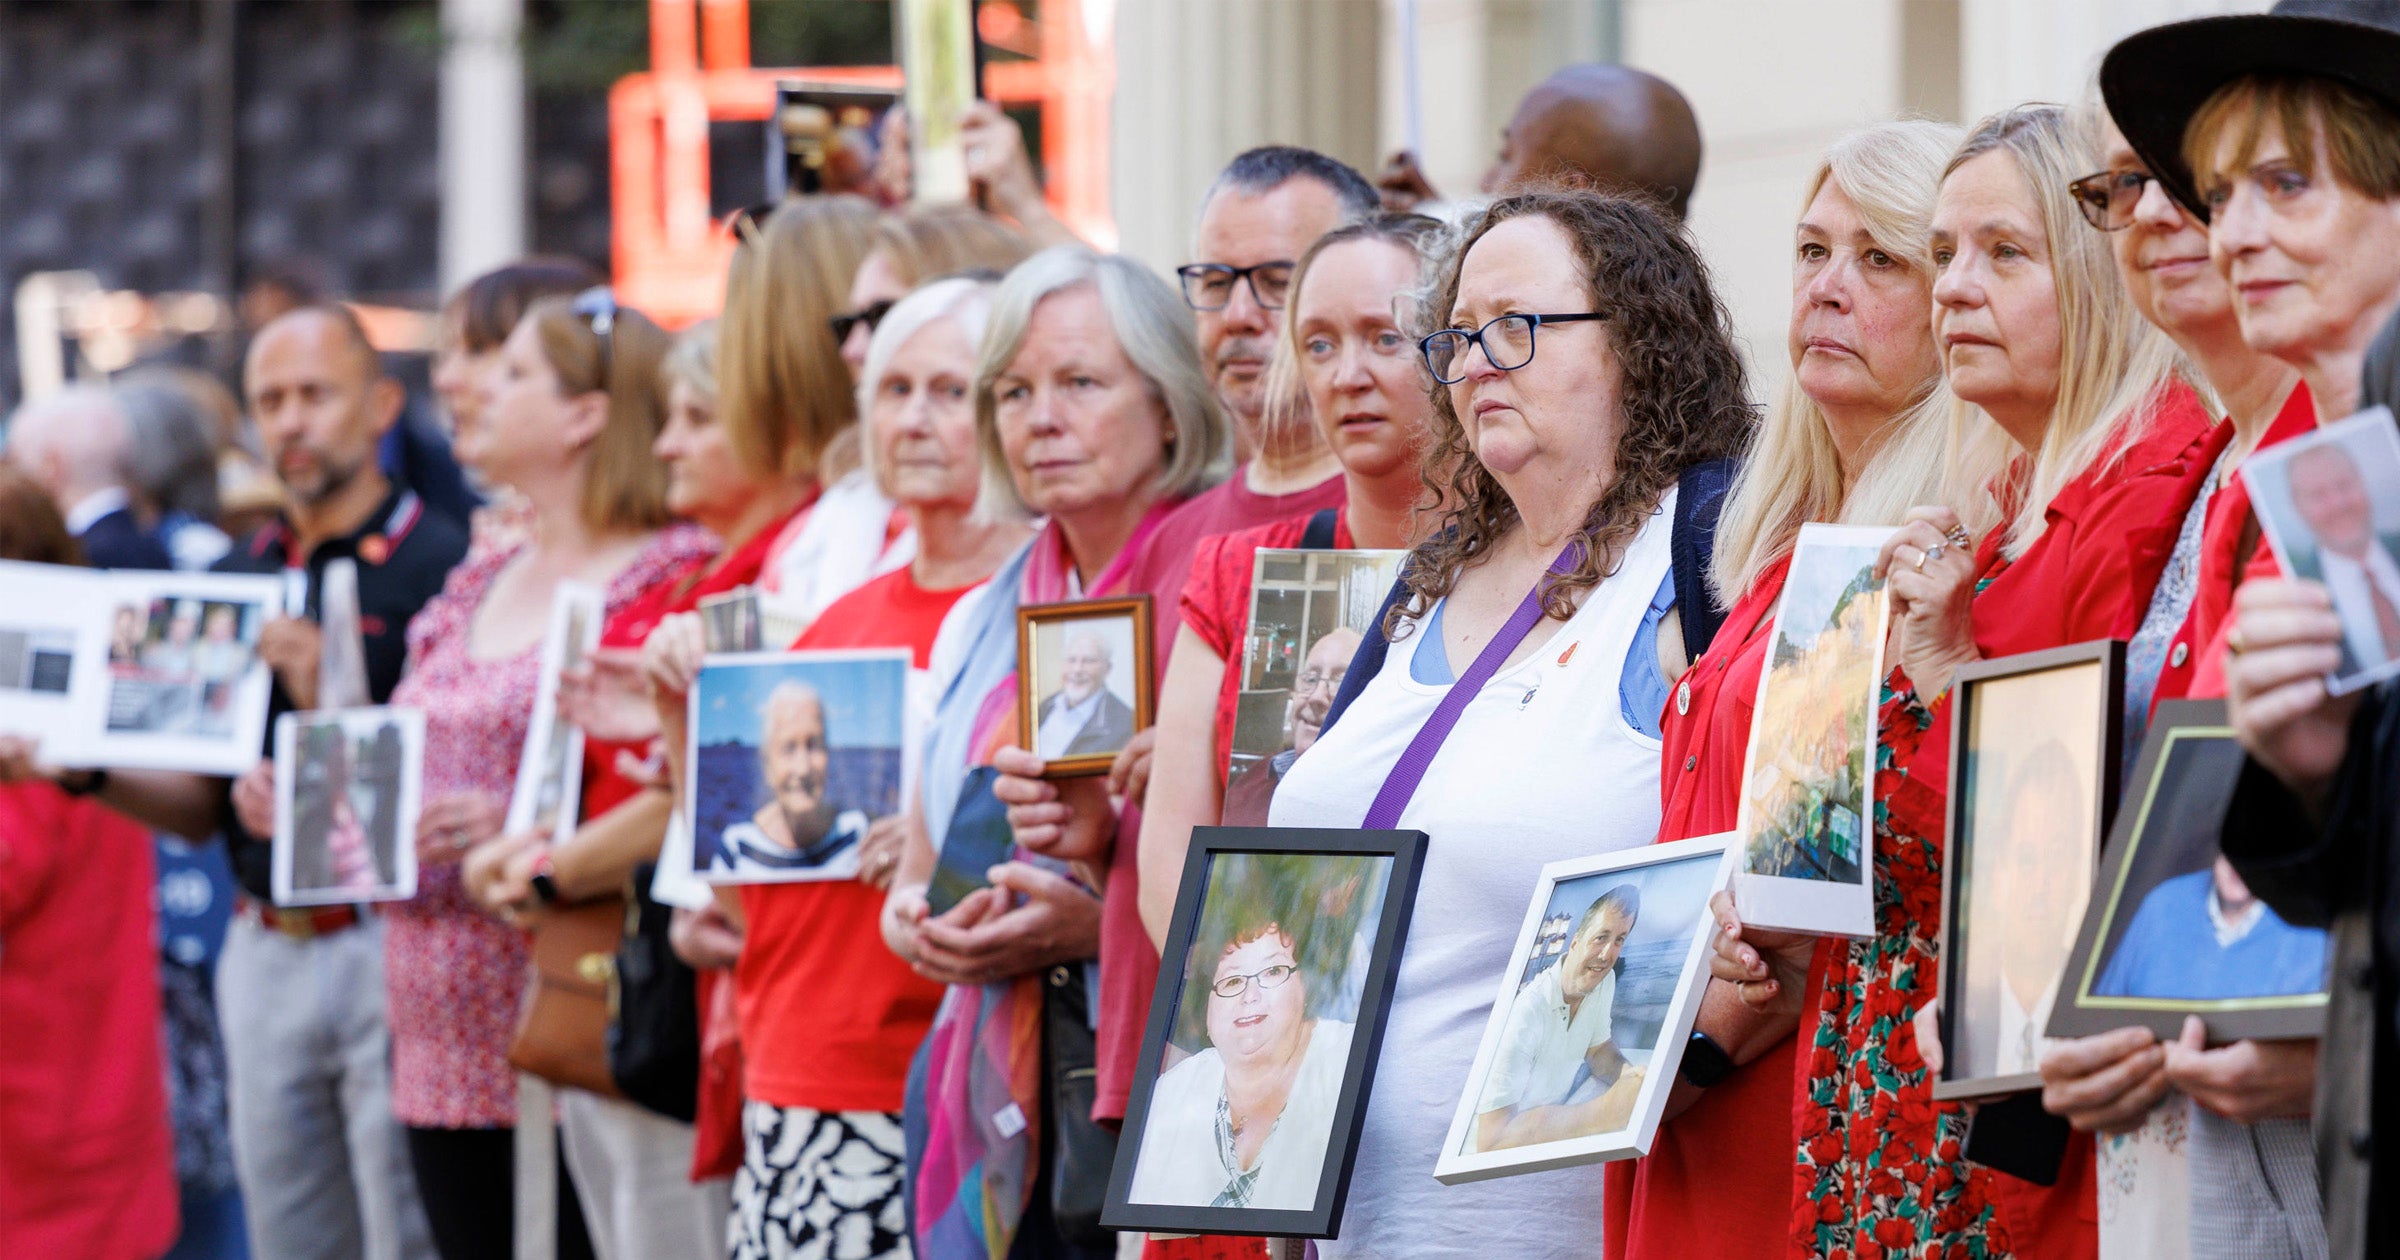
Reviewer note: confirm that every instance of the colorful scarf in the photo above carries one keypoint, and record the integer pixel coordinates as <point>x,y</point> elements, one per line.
<point>982,1090</point>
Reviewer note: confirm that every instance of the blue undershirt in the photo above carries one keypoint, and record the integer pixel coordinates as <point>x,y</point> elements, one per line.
<point>1641,690</point>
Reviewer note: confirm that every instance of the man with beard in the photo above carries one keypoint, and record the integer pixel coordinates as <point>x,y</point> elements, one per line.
<point>1249,792</point>
<point>797,829</point>
<point>1558,1073</point>
<point>1083,718</point>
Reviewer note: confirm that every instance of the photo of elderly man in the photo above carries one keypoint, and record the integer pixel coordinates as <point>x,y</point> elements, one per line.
<point>796,827</point>
<point>1084,717</point>
<point>2359,566</point>
<point>1252,788</point>
<point>1559,1073</point>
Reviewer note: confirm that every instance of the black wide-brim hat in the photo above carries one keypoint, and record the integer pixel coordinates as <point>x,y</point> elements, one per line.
<point>2155,80</point>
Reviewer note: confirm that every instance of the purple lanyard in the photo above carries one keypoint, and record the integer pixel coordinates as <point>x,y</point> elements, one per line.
<point>1401,784</point>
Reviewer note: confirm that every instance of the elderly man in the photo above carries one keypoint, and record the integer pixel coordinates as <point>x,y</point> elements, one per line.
<point>73,444</point>
<point>1558,1073</point>
<point>1617,128</point>
<point>2350,558</point>
<point>797,828</point>
<point>1248,793</point>
<point>1083,718</point>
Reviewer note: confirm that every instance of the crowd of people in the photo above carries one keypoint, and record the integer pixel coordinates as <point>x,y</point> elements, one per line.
<point>2039,347</point>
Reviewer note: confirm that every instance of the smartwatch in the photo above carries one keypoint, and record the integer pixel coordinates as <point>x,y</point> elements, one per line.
<point>544,885</point>
<point>1705,1063</point>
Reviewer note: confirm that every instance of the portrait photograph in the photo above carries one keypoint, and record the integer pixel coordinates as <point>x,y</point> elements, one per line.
<point>1309,611</point>
<point>550,772</point>
<point>2173,931</point>
<point>2329,503</point>
<point>1263,1031</point>
<point>1807,814</point>
<point>790,757</point>
<point>2035,753</point>
<point>347,784</point>
<point>1083,681</point>
<point>1589,1025</point>
<point>183,688</point>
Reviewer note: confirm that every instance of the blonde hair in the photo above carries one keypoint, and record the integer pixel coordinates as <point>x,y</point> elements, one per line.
<point>693,362</point>
<point>1793,475</point>
<point>782,389</point>
<point>2113,365</point>
<point>933,242</point>
<point>624,487</point>
<point>965,301</point>
<point>1154,330</point>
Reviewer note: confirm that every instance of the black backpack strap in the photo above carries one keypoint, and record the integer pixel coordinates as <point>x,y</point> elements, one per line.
<point>1321,530</point>
<point>1699,497</point>
<point>1368,660</point>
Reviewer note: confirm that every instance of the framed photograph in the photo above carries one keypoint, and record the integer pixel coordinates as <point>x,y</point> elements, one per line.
<point>550,774</point>
<point>1309,610</point>
<point>1083,681</point>
<point>2172,930</point>
<point>183,688</point>
<point>2329,503</point>
<point>2036,742</point>
<point>789,756</point>
<point>1264,1031</point>
<point>347,790</point>
<point>1592,1014</point>
<point>937,66</point>
<point>1807,820</point>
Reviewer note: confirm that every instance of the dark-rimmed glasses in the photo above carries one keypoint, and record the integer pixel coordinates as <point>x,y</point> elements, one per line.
<point>2109,198</point>
<point>871,315</point>
<point>1507,342</point>
<point>597,308</point>
<point>1209,286</point>
<point>1267,978</point>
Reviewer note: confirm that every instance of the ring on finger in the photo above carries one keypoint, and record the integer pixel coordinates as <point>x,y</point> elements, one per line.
<point>1959,537</point>
<point>1922,557</point>
<point>1935,551</point>
<point>2235,643</point>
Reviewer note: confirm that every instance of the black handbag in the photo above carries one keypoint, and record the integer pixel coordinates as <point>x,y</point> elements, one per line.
<point>1080,1152</point>
<point>654,1045</point>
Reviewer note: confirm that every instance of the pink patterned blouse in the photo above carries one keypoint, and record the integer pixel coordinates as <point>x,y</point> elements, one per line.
<point>454,974</point>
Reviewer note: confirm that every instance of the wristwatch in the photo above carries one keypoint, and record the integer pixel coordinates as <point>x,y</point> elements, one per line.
<point>1705,1063</point>
<point>545,887</point>
<point>83,782</point>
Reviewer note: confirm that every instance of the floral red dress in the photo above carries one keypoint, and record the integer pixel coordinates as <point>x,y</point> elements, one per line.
<point>455,975</point>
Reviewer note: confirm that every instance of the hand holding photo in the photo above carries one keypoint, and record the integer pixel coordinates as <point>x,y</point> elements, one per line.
<point>1593,1012</point>
<point>2329,502</point>
<point>791,755</point>
<point>1084,681</point>
<point>1309,610</point>
<point>347,785</point>
<point>550,773</point>
<point>1807,808</point>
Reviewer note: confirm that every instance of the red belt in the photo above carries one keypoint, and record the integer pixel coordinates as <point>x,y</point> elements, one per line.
<point>302,922</point>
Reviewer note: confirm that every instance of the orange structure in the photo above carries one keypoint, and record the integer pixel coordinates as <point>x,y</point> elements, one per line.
<point>670,254</point>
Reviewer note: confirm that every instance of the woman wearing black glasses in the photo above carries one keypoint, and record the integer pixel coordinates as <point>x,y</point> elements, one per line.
<point>1586,364</point>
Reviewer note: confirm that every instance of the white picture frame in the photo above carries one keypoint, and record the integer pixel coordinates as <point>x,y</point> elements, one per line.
<point>130,719</point>
<point>1687,873</point>
<point>304,871</point>
<point>53,654</point>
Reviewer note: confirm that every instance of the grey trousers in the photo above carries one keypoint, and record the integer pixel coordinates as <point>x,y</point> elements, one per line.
<point>632,1170</point>
<point>323,1166</point>
<point>2254,1190</point>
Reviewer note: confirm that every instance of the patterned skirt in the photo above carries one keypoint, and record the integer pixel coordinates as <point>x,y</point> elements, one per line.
<point>819,1184</point>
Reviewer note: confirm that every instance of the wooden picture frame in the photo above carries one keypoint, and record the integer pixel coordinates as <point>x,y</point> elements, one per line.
<point>2167,832</point>
<point>2034,684</point>
<point>1042,628</point>
<point>1244,879</point>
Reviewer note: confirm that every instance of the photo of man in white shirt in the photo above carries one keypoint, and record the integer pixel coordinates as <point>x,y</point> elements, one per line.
<point>1559,1073</point>
<point>2356,564</point>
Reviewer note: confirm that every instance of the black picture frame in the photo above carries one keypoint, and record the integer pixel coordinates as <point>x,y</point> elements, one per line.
<point>2174,809</point>
<point>1031,618</point>
<point>1406,851</point>
<point>2106,733</point>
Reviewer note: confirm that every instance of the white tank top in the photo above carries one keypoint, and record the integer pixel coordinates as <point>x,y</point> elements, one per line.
<point>1541,767</point>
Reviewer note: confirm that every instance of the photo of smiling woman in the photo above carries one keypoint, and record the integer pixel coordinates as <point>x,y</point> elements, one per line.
<point>1244,1114</point>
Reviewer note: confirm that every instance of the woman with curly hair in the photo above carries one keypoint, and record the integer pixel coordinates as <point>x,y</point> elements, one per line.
<point>1585,365</point>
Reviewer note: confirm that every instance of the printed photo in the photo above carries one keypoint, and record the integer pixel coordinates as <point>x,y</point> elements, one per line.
<point>1264,1031</point>
<point>937,61</point>
<point>1083,680</point>
<point>1807,816</point>
<point>2175,931</point>
<point>346,800</point>
<point>550,774</point>
<point>2034,772</point>
<point>1309,610</point>
<point>1593,1013</point>
<point>2330,503</point>
<point>175,664</point>
<point>792,755</point>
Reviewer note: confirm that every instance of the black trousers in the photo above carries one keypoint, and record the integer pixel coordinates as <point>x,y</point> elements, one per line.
<point>467,1179</point>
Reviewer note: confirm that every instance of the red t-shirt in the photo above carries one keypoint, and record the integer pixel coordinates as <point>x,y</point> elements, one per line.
<point>1216,604</point>
<point>1128,965</point>
<point>1718,1178</point>
<point>830,1018</point>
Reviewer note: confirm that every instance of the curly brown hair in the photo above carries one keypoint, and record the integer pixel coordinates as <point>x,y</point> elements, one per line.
<point>1684,395</point>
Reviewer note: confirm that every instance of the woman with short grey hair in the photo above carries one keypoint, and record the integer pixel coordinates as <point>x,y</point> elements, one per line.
<point>171,469</point>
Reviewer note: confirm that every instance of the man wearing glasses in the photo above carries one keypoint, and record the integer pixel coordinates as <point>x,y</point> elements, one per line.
<point>1252,790</point>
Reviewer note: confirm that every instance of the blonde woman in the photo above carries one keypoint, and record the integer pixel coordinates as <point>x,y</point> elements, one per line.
<point>1858,435</point>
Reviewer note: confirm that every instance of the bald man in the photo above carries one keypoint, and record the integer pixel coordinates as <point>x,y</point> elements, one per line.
<point>1613,127</point>
<point>73,445</point>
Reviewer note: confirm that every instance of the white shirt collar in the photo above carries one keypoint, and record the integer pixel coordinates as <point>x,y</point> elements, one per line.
<point>2231,930</point>
<point>90,508</point>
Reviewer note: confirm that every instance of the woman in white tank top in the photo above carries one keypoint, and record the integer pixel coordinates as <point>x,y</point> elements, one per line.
<point>1556,756</point>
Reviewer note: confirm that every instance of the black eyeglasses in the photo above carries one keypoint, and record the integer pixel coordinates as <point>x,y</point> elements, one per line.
<point>597,308</point>
<point>1506,341</point>
<point>2109,198</point>
<point>1209,286</point>
<point>871,315</point>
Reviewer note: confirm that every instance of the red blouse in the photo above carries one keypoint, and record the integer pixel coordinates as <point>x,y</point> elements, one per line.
<point>1718,1179</point>
<point>1216,604</point>
<point>2232,551</point>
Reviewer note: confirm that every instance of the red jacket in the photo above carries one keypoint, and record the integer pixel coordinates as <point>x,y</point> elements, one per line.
<point>87,1160</point>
